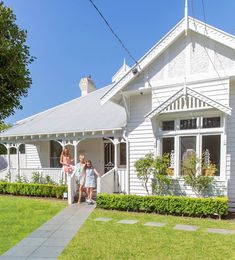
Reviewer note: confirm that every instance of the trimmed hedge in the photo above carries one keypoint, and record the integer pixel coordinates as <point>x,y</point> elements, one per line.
<point>31,189</point>
<point>173,205</point>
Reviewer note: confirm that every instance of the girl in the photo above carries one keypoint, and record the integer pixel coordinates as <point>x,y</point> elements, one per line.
<point>80,176</point>
<point>66,161</point>
<point>90,180</point>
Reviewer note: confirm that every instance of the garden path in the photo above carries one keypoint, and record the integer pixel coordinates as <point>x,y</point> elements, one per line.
<point>49,240</point>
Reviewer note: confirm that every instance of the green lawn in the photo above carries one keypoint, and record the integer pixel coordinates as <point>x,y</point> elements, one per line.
<point>100,240</point>
<point>19,216</point>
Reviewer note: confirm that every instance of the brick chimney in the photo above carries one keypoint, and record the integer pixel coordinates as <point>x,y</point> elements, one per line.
<point>86,86</point>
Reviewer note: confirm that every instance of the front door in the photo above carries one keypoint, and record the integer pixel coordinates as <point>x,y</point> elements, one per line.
<point>108,156</point>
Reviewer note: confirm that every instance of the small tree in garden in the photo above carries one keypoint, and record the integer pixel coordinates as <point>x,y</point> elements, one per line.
<point>157,168</point>
<point>144,169</point>
<point>161,180</point>
<point>197,182</point>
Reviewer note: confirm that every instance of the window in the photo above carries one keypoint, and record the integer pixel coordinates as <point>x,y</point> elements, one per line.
<point>186,139</point>
<point>168,147</point>
<point>3,149</point>
<point>122,154</point>
<point>188,147</point>
<point>211,145</point>
<point>188,124</point>
<point>56,150</point>
<point>168,125</point>
<point>211,122</point>
<point>22,149</point>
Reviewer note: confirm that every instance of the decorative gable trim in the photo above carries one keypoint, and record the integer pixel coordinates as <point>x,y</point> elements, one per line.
<point>194,25</point>
<point>187,99</point>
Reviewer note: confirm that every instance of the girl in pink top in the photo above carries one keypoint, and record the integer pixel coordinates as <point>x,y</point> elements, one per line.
<point>66,161</point>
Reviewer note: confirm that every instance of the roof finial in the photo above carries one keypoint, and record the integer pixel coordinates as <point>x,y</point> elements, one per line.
<point>186,16</point>
<point>124,62</point>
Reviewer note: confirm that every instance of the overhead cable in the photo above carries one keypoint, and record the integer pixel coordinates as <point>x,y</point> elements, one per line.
<point>113,32</point>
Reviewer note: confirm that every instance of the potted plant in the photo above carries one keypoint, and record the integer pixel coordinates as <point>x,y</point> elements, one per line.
<point>170,171</point>
<point>208,168</point>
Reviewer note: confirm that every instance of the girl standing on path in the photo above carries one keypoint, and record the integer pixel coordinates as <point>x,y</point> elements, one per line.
<point>90,172</point>
<point>80,174</point>
<point>66,161</point>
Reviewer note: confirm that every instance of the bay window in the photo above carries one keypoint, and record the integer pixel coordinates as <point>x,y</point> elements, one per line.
<point>200,135</point>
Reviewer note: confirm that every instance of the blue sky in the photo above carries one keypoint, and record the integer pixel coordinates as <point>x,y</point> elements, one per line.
<point>70,41</point>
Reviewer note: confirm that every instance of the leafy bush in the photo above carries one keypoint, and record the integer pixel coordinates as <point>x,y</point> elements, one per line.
<point>31,189</point>
<point>173,205</point>
<point>199,183</point>
<point>21,179</point>
<point>37,178</point>
<point>157,168</point>
<point>143,167</point>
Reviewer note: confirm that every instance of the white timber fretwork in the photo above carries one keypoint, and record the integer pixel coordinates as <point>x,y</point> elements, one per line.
<point>187,99</point>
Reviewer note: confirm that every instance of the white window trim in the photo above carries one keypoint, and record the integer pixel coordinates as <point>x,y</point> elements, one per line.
<point>198,132</point>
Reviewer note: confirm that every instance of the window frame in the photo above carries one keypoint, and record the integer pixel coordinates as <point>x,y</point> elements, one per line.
<point>198,132</point>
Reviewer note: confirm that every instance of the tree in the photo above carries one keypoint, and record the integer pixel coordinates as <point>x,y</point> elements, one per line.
<point>15,57</point>
<point>143,167</point>
<point>4,126</point>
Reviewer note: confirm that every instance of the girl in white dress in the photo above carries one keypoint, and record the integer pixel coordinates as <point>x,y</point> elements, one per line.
<point>90,172</point>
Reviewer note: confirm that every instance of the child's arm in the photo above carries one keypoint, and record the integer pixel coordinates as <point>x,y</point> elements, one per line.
<point>61,160</point>
<point>97,174</point>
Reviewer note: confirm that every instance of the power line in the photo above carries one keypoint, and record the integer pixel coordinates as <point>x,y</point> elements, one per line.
<point>207,35</point>
<point>113,32</point>
<point>204,15</point>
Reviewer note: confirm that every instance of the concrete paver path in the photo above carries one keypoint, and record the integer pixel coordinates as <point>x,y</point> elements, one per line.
<point>49,240</point>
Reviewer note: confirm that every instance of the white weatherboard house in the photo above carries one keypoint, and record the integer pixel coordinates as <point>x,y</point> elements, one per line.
<point>179,98</point>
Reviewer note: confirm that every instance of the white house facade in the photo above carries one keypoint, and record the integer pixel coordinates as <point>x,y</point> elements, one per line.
<point>178,98</point>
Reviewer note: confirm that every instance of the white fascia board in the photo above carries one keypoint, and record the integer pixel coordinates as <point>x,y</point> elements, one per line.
<point>212,32</point>
<point>62,133</point>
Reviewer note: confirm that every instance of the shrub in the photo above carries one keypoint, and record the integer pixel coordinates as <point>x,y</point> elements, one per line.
<point>143,167</point>
<point>31,189</point>
<point>173,205</point>
<point>157,167</point>
<point>199,183</point>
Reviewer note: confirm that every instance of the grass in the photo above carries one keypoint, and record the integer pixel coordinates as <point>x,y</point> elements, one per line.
<point>19,216</point>
<point>110,240</point>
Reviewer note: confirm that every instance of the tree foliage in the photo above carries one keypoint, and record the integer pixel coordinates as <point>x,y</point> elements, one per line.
<point>15,57</point>
<point>192,167</point>
<point>156,168</point>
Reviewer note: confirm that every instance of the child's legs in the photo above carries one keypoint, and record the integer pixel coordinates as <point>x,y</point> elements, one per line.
<point>88,193</point>
<point>91,193</point>
<point>80,192</point>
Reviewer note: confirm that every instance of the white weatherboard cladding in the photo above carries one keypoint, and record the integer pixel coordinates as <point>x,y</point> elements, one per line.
<point>141,138</point>
<point>217,90</point>
<point>231,146</point>
<point>38,154</point>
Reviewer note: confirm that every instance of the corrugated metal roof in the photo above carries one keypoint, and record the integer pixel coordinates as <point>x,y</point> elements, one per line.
<point>78,115</point>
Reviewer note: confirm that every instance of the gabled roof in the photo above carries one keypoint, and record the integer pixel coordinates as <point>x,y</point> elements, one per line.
<point>194,25</point>
<point>187,99</point>
<point>81,114</point>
